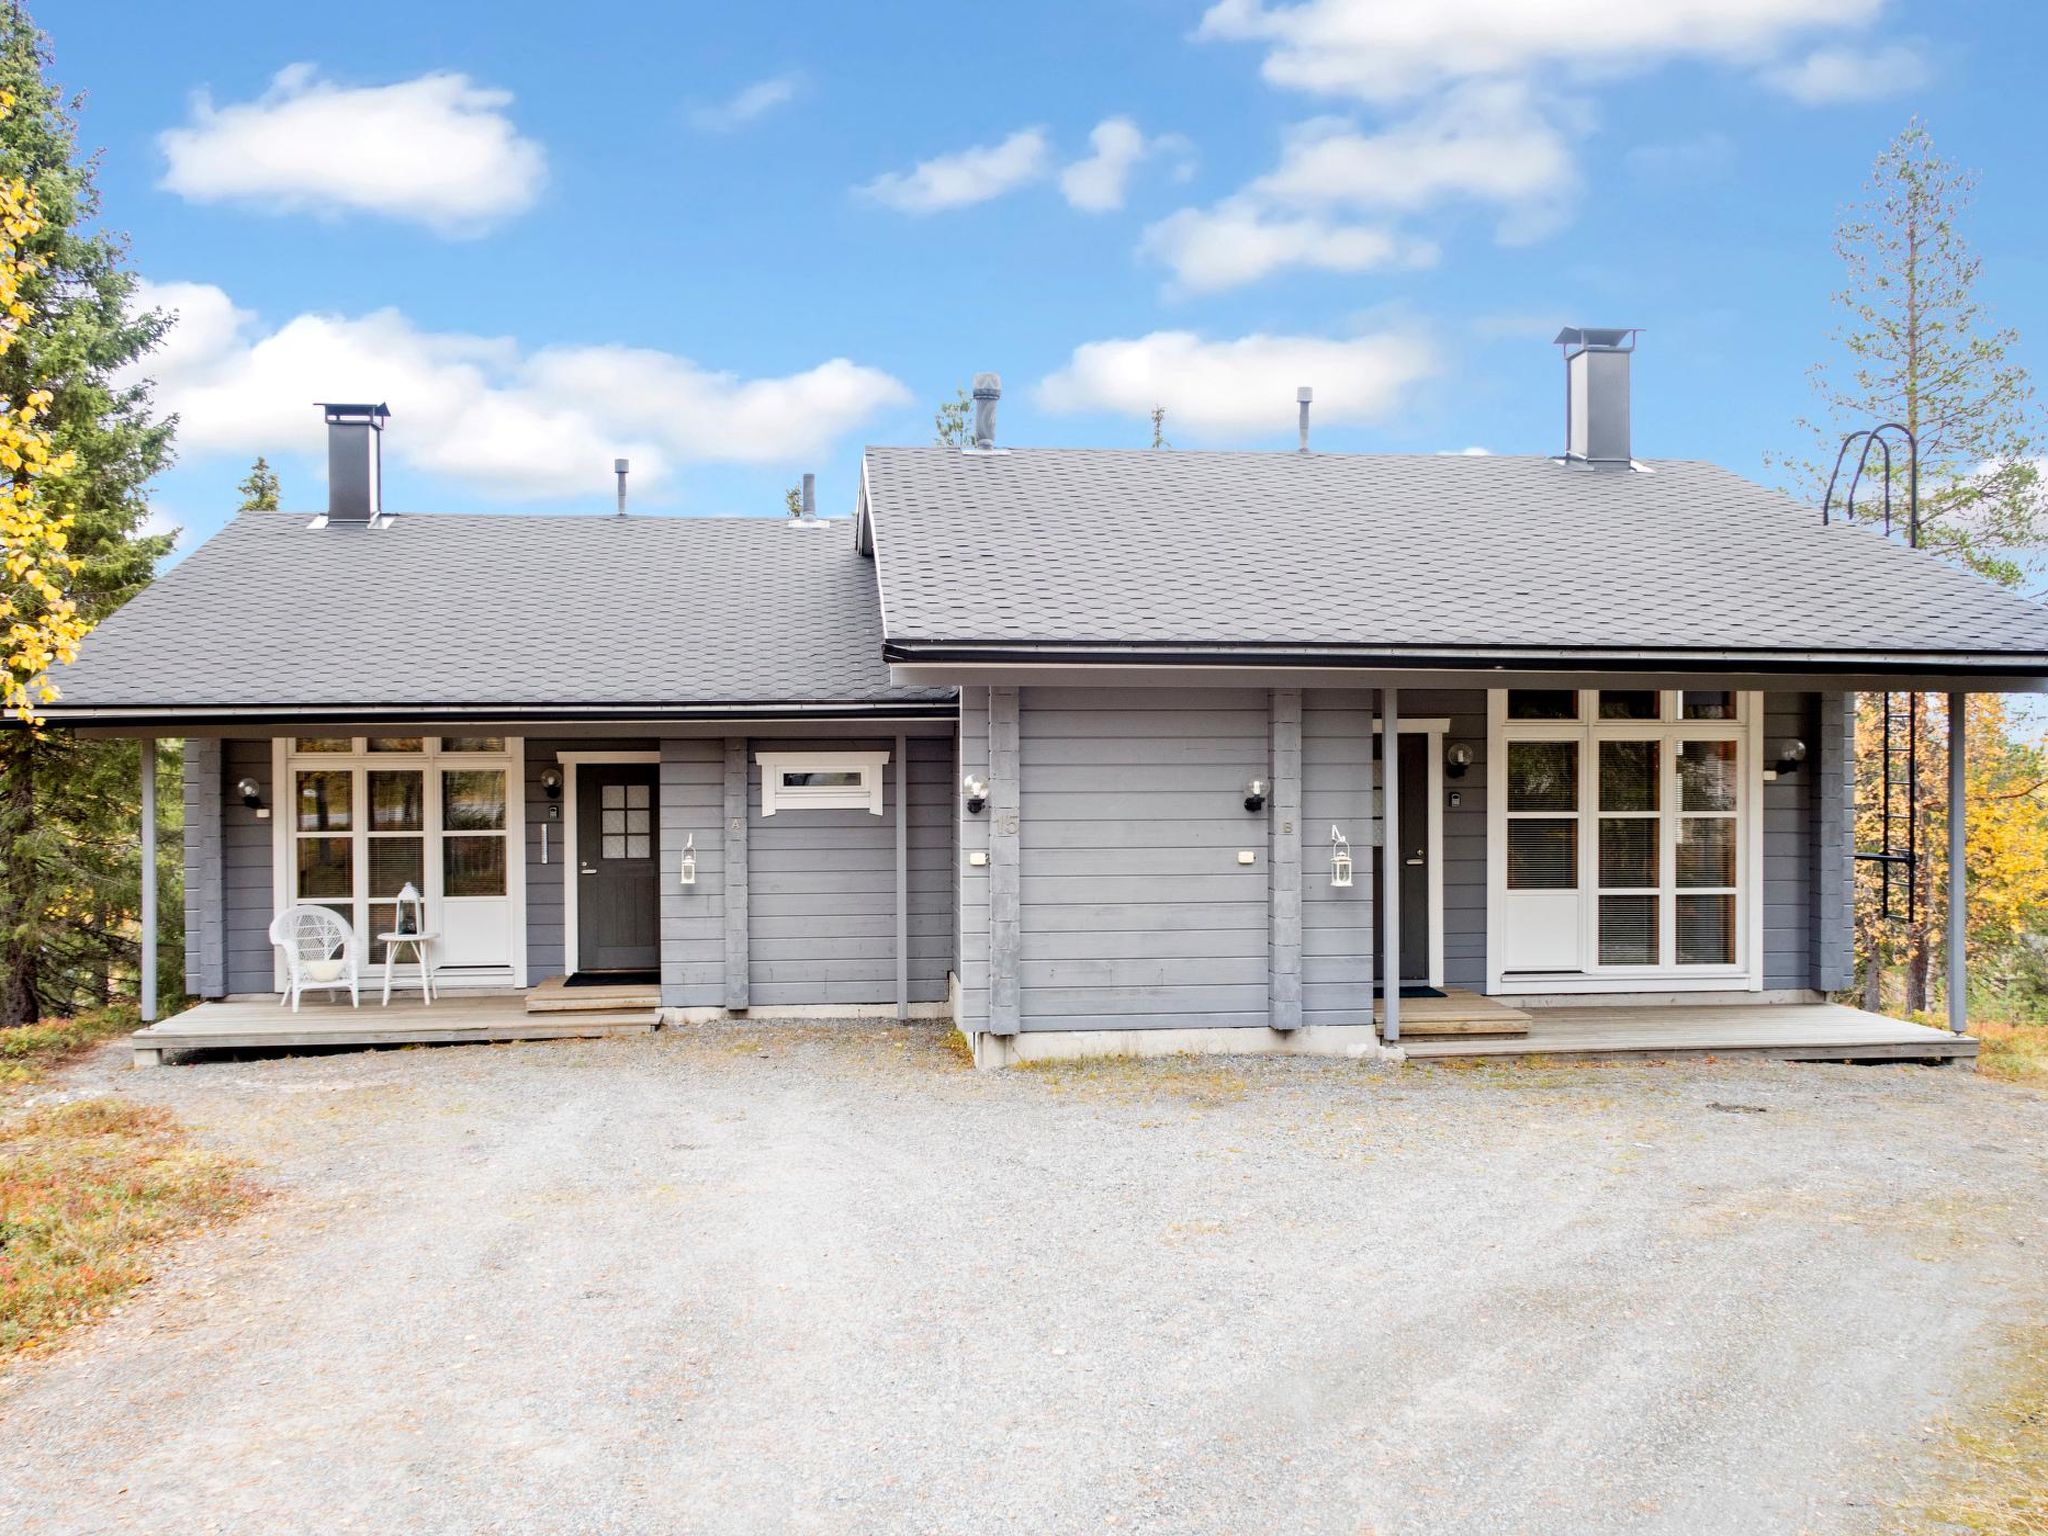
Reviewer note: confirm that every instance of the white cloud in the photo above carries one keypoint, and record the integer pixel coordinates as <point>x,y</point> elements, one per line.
<point>1334,201</point>
<point>438,151</point>
<point>1485,142</point>
<point>1389,49</point>
<point>512,423</point>
<point>1241,386</point>
<point>747,104</point>
<point>1240,242</point>
<point>1829,75</point>
<point>1098,183</point>
<point>1704,157</point>
<point>969,176</point>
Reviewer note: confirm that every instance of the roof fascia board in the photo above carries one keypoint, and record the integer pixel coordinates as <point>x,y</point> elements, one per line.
<point>171,718</point>
<point>1253,673</point>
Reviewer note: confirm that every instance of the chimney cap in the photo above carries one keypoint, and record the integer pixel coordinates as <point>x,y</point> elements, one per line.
<point>375,415</point>
<point>1304,395</point>
<point>1595,338</point>
<point>988,386</point>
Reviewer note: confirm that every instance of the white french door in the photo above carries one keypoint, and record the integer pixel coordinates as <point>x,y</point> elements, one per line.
<point>1625,839</point>
<point>360,818</point>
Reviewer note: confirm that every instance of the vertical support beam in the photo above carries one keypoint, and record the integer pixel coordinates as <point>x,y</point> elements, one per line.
<point>1389,893</point>
<point>1958,870</point>
<point>1833,800</point>
<point>1283,809</point>
<point>1005,875</point>
<point>902,877</point>
<point>736,920</point>
<point>206,948</point>
<point>148,977</point>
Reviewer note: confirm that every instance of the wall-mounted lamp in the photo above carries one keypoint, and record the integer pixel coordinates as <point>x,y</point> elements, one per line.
<point>689,869</point>
<point>551,783</point>
<point>1457,758</point>
<point>975,788</point>
<point>1340,859</point>
<point>251,793</point>
<point>1255,794</point>
<point>1790,755</point>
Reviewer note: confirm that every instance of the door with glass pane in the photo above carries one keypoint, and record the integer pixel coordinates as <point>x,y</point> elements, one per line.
<point>1544,911</point>
<point>617,885</point>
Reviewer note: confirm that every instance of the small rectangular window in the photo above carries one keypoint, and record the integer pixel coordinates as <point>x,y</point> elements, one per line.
<point>1543,704</point>
<point>323,744</point>
<point>821,781</point>
<point>1629,704</point>
<point>472,743</point>
<point>398,743</point>
<point>1707,704</point>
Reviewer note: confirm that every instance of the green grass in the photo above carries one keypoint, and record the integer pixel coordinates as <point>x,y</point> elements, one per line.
<point>2014,1053</point>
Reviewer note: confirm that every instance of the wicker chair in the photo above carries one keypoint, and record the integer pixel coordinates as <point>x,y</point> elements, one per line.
<point>320,952</point>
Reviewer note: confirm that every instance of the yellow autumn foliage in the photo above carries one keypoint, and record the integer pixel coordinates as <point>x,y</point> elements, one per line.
<point>41,622</point>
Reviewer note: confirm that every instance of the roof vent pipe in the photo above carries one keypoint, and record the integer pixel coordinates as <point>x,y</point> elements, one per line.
<point>1596,406</point>
<point>619,468</point>
<point>810,497</point>
<point>355,461</point>
<point>988,389</point>
<point>1302,397</point>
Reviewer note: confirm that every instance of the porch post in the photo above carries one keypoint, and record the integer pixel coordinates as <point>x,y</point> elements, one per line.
<point>1005,901</point>
<point>1389,892</point>
<point>148,977</point>
<point>1958,875</point>
<point>902,878</point>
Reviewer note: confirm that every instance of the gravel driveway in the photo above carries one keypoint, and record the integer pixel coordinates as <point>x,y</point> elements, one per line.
<point>802,1278</point>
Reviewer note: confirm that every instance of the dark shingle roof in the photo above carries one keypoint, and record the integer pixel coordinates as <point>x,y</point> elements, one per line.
<point>442,609</point>
<point>1156,548</point>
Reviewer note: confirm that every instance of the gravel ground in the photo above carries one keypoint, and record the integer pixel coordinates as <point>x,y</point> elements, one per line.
<point>793,1278</point>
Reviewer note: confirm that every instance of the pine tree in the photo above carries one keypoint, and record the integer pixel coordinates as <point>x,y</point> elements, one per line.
<point>1916,347</point>
<point>68,808</point>
<point>261,491</point>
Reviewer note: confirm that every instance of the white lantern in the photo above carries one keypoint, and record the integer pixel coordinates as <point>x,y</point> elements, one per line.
<point>689,867</point>
<point>1340,859</point>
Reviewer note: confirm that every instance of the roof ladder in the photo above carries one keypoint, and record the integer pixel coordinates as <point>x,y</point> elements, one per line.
<point>1898,810</point>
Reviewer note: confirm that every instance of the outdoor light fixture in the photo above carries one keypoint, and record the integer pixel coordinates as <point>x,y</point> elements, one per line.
<point>1255,794</point>
<point>689,870</point>
<point>251,793</point>
<point>976,789</point>
<point>551,783</point>
<point>1790,755</point>
<point>1457,758</point>
<point>1340,859</point>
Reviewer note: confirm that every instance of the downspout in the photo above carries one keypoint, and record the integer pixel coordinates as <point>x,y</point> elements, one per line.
<point>1958,874</point>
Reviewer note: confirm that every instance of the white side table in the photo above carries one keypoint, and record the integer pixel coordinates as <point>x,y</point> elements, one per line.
<point>419,943</point>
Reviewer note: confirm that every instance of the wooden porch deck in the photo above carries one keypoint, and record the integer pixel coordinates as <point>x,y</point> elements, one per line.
<point>1786,1031</point>
<point>454,1018</point>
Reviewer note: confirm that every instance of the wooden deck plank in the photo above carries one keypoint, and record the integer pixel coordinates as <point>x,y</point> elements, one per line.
<point>1791,1031</point>
<point>265,1024</point>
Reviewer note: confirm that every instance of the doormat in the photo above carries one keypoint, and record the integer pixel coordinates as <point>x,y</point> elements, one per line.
<point>1414,991</point>
<point>614,979</point>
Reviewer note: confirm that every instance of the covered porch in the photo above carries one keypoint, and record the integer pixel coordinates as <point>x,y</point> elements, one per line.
<point>264,1023</point>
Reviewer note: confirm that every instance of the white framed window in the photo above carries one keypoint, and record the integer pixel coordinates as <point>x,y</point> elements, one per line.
<point>1626,845</point>
<point>821,781</point>
<point>359,818</point>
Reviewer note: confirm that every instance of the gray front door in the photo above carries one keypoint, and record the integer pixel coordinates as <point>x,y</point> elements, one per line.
<point>1413,851</point>
<point>617,863</point>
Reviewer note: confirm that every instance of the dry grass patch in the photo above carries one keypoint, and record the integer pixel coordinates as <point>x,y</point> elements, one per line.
<point>87,1189</point>
<point>1993,1468</point>
<point>2015,1053</point>
<point>27,1053</point>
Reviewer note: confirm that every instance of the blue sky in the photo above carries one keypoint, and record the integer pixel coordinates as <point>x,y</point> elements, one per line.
<point>701,236</point>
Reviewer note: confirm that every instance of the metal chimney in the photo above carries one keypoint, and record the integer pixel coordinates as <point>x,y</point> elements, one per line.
<point>810,496</point>
<point>988,389</point>
<point>355,461</point>
<point>1596,408</point>
<point>619,468</point>
<point>1302,397</point>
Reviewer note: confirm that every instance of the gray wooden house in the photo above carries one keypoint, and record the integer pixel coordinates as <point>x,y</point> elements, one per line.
<point>1090,750</point>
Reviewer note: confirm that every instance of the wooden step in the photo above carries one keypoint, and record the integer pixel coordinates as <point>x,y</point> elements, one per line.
<point>555,996</point>
<point>1456,1013</point>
